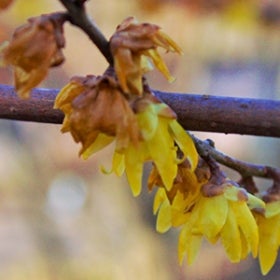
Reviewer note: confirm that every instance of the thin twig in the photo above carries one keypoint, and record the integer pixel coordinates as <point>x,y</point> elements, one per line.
<point>245,169</point>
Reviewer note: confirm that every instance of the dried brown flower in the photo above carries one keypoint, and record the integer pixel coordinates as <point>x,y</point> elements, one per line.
<point>96,113</point>
<point>34,48</point>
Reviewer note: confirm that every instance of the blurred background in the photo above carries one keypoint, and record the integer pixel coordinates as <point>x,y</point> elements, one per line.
<point>60,218</point>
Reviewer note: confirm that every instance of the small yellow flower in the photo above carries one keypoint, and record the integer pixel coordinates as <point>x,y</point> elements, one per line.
<point>172,205</point>
<point>133,45</point>
<point>34,48</point>
<point>160,131</point>
<point>269,232</point>
<point>224,216</point>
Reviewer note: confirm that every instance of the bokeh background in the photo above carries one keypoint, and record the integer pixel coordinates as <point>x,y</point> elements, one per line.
<point>60,218</point>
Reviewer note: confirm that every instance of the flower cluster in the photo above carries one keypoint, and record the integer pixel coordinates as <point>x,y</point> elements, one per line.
<point>119,106</point>
<point>97,112</point>
<point>206,204</point>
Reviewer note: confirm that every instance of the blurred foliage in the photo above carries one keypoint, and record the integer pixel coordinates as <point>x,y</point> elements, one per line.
<point>46,232</point>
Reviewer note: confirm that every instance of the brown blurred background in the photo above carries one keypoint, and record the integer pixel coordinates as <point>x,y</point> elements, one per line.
<point>60,218</point>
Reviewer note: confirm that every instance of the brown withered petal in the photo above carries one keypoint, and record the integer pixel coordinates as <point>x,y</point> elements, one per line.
<point>134,36</point>
<point>102,108</point>
<point>64,99</point>
<point>34,48</point>
<point>5,3</point>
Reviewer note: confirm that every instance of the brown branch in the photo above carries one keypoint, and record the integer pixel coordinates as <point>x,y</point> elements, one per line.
<point>206,148</point>
<point>38,108</point>
<point>195,112</point>
<point>247,170</point>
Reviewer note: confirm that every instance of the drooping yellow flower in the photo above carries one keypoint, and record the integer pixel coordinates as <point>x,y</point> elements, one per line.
<point>133,46</point>
<point>160,131</point>
<point>225,216</point>
<point>34,48</point>
<point>269,232</point>
<point>97,113</point>
<point>172,205</point>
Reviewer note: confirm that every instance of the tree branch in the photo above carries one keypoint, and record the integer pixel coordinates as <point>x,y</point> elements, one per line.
<point>195,112</point>
<point>225,114</point>
<point>246,170</point>
<point>205,149</point>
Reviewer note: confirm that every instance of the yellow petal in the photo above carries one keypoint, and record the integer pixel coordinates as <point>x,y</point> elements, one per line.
<point>245,248</point>
<point>269,230</point>
<point>247,224</point>
<point>164,217</point>
<point>183,240</point>
<point>230,238</point>
<point>146,65</point>
<point>159,63</point>
<point>118,164</point>
<point>193,248</point>
<point>160,197</point>
<point>100,142</point>
<point>188,244</point>
<point>67,94</point>
<point>164,41</point>
<point>179,205</point>
<point>212,215</point>
<point>163,153</point>
<point>134,168</point>
<point>185,143</point>
<point>148,122</point>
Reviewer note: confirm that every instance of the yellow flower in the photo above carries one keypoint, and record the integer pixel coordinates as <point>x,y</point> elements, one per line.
<point>34,48</point>
<point>224,216</point>
<point>171,206</point>
<point>160,131</point>
<point>133,45</point>
<point>269,232</point>
<point>97,113</point>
